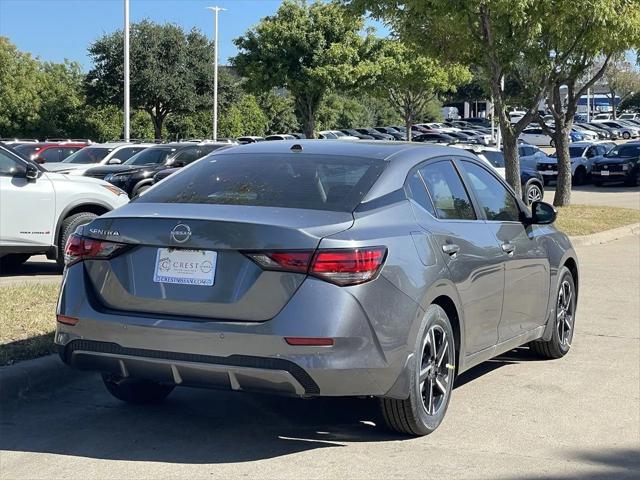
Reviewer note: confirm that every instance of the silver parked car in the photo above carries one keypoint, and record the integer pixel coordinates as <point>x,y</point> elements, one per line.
<point>318,268</point>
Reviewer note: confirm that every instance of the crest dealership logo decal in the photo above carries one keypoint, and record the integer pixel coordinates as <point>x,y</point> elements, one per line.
<point>181,233</point>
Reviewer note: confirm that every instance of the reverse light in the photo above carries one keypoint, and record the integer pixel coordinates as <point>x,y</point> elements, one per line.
<point>339,266</point>
<point>79,248</point>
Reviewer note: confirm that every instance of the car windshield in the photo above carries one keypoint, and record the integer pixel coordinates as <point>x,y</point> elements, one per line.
<point>314,182</point>
<point>88,155</point>
<point>625,151</point>
<point>150,156</point>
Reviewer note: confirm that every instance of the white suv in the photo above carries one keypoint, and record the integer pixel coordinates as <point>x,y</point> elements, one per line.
<point>97,154</point>
<point>40,209</point>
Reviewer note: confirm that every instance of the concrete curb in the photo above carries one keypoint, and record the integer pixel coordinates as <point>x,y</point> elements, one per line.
<point>606,236</point>
<point>39,374</point>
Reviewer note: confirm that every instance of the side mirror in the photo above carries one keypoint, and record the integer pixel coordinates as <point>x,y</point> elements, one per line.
<point>115,161</point>
<point>31,173</point>
<point>39,160</point>
<point>542,213</point>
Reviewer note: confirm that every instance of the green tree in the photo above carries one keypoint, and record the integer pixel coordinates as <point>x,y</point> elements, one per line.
<point>410,80</point>
<point>279,110</point>
<point>538,45</point>
<point>308,49</point>
<point>170,71</point>
<point>20,98</point>
<point>622,80</point>
<point>243,118</point>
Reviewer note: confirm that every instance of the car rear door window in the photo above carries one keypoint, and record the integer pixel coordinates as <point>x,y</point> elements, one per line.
<point>315,182</point>
<point>418,193</point>
<point>50,155</point>
<point>495,200</point>
<point>447,191</point>
<point>126,153</point>
<point>66,151</point>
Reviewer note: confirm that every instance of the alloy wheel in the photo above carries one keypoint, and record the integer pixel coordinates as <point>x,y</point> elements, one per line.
<point>534,194</point>
<point>564,314</point>
<point>436,374</point>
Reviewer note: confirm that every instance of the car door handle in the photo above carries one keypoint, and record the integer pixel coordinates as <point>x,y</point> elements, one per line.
<point>508,248</point>
<point>450,249</point>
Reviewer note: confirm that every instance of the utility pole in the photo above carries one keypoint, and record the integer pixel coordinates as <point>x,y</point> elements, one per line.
<point>216,11</point>
<point>126,72</point>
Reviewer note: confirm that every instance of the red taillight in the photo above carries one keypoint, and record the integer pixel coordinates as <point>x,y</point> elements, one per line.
<point>309,341</point>
<point>348,267</point>
<point>80,248</point>
<point>340,266</point>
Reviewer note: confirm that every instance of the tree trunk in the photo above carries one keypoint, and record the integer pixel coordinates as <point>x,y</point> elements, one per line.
<point>157,121</point>
<point>613,104</point>
<point>512,160</point>
<point>309,123</point>
<point>408,121</point>
<point>562,197</point>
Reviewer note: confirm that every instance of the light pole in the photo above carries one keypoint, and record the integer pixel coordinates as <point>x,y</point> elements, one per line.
<point>126,71</point>
<point>215,11</point>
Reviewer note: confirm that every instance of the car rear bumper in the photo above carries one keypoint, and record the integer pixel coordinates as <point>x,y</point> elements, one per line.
<point>245,355</point>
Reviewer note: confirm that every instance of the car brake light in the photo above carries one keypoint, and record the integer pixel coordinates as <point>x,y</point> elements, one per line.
<point>67,320</point>
<point>340,266</point>
<point>348,267</point>
<point>79,248</point>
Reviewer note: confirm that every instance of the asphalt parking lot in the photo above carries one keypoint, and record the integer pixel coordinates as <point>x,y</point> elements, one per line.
<point>511,418</point>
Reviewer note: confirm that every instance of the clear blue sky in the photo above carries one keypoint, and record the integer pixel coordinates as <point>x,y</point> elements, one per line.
<point>57,29</point>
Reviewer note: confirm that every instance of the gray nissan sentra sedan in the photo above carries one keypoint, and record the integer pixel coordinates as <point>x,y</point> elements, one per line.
<point>318,268</point>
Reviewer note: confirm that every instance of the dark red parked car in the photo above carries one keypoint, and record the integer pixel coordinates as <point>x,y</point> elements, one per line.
<point>49,152</point>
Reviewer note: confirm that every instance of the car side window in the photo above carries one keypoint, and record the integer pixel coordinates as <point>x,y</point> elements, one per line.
<point>66,151</point>
<point>125,154</point>
<point>495,200</point>
<point>51,155</point>
<point>447,191</point>
<point>9,166</point>
<point>187,156</point>
<point>419,194</point>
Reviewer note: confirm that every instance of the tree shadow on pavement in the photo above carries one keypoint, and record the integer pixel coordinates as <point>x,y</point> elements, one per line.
<point>609,464</point>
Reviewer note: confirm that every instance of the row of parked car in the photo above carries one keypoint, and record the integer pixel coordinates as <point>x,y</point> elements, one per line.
<point>585,131</point>
<point>448,132</point>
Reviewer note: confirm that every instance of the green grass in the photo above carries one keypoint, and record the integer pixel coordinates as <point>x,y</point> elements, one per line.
<point>586,219</point>
<point>27,321</point>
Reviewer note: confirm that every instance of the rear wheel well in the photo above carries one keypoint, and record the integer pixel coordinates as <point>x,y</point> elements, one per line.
<point>90,207</point>
<point>573,268</point>
<point>450,309</point>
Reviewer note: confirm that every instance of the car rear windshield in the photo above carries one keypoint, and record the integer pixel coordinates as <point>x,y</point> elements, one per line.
<point>88,155</point>
<point>314,182</point>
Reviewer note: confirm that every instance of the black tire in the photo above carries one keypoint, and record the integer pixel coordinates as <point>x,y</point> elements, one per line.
<point>634,179</point>
<point>12,262</point>
<point>533,192</point>
<point>580,177</point>
<point>418,415</point>
<point>138,190</point>
<point>626,135</point>
<point>563,325</point>
<point>69,226</point>
<point>132,390</point>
